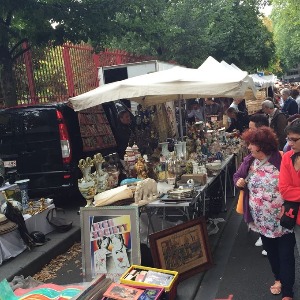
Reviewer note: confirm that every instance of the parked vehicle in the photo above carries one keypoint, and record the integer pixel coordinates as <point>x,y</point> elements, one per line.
<point>44,144</point>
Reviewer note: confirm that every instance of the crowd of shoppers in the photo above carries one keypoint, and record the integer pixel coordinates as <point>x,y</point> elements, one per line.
<point>271,185</point>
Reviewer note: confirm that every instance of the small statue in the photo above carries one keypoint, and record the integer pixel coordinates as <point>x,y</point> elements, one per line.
<point>141,168</point>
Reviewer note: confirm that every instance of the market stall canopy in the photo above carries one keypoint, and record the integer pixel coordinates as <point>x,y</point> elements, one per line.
<point>211,79</point>
<point>262,82</point>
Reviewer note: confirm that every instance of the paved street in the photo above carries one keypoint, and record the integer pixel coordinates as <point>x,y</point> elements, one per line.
<point>240,269</point>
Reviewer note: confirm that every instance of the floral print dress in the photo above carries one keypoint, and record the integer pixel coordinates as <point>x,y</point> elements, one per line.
<point>265,200</point>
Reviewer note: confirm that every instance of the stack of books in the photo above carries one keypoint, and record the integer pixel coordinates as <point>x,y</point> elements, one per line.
<point>118,291</point>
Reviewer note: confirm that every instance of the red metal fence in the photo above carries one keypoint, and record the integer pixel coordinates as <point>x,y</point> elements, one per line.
<point>116,57</point>
<point>55,73</point>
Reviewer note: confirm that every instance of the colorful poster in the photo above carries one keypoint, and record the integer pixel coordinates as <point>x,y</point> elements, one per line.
<point>111,247</point>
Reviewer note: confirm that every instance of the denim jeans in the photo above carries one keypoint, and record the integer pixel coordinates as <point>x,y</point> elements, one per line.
<point>282,260</point>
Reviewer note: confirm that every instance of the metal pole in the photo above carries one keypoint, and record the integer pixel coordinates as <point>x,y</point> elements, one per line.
<point>180,120</point>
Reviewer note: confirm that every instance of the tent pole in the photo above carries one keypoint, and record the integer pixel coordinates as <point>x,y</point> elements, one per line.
<point>180,120</point>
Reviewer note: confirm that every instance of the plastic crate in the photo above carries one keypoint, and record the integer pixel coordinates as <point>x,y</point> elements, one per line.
<point>170,290</point>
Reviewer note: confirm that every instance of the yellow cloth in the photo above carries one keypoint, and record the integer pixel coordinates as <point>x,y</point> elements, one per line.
<point>239,207</point>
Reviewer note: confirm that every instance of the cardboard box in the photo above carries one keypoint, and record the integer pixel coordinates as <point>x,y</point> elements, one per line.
<point>170,289</point>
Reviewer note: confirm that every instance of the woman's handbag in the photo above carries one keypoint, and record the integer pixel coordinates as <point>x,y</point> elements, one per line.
<point>240,206</point>
<point>289,216</point>
<point>60,224</point>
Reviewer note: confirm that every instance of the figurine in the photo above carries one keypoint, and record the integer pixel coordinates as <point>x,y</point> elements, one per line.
<point>141,168</point>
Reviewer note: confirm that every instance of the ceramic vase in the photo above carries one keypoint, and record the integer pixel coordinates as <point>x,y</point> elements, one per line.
<point>23,186</point>
<point>178,150</point>
<point>100,176</point>
<point>87,184</point>
<point>164,151</point>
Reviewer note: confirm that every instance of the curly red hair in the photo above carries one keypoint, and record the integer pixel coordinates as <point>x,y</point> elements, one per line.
<point>263,137</point>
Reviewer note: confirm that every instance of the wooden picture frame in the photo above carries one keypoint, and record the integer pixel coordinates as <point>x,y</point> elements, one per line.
<point>110,240</point>
<point>183,248</point>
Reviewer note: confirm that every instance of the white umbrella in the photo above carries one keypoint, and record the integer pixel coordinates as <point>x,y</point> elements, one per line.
<point>210,80</point>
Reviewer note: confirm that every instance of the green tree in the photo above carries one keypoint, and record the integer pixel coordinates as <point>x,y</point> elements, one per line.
<point>41,21</point>
<point>286,23</point>
<point>189,31</point>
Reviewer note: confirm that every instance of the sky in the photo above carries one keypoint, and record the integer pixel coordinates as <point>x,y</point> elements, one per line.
<point>267,10</point>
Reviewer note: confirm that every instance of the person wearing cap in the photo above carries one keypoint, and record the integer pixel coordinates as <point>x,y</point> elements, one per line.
<point>290,106</point>
<point>277,121</point>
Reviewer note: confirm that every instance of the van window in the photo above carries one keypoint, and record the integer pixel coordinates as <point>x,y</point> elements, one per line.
<point>39,121</point>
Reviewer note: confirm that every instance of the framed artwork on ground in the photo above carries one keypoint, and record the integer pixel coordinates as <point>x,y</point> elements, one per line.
<point>183,248</point>
<point>110,240</point>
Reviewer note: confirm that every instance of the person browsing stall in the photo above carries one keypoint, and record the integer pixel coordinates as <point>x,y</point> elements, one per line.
<point>258,176</point>
<point>287,146</point>
<point>196,112</point>
<point>290,106</point>
<point>239,121</point>
<point>124,131</point>
<point>258,120</point>
<point>277,121</point>
<point>212,108</point>
<point>289,179</point>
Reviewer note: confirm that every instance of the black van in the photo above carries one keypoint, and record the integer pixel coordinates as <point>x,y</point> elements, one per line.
<point>43,143</point>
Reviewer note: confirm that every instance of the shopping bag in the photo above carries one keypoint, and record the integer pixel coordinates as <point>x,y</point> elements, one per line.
<point>289,216</point>
<point>240,206</point>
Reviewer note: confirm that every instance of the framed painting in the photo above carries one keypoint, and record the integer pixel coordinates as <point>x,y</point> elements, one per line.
<point>183,248</point>
<point>110,240</point>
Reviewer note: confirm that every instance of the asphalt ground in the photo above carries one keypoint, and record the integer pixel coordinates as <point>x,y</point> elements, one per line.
<point>239,267</point>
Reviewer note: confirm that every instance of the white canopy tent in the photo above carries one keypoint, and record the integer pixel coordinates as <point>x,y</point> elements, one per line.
<point>262,82</point>
<point>211,79</point>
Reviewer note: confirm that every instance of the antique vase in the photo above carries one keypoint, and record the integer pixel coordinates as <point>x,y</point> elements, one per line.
<point>87,185</point>
<point>100,176</point>
<point>23,186</point>
<point>164,149</point>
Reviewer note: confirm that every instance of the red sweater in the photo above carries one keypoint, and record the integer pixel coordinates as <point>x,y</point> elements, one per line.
<point>289,180</point>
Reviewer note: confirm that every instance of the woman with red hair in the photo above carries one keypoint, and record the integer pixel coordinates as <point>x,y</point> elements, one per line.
<point>258,176</point>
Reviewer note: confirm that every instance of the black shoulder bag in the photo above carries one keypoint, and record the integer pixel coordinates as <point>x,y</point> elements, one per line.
<point>289,217</point>
<point>60,224</point>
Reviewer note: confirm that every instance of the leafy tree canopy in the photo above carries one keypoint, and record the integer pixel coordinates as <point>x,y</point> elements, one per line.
<point>286,23</point>
<point>41,21</point>
<point>189,31</point>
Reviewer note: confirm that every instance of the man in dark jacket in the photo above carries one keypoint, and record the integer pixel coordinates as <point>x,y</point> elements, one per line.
<point>239,120</point>
<point>277,121</point>
<point>124,132</point>
<point>290,106</point>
